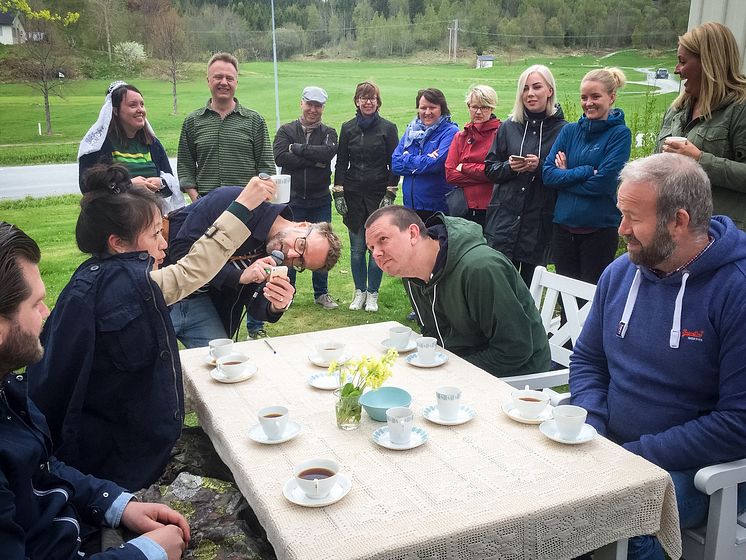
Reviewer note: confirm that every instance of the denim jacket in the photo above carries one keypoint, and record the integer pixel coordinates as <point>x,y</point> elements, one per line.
<point>110,381</point>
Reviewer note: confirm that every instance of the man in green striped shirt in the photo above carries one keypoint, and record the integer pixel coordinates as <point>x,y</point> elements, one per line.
<point>222,143</point>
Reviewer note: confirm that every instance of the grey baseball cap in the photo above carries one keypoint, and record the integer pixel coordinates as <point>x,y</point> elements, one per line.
<point>313,93</point>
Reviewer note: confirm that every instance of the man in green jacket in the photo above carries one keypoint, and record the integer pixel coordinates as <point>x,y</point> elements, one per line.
<point>465,294</point>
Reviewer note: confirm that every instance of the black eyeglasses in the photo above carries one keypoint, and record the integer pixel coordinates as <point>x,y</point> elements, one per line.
<point>299,246</point>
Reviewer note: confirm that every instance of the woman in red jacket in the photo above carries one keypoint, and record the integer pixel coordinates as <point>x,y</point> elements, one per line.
<point>465,162</point>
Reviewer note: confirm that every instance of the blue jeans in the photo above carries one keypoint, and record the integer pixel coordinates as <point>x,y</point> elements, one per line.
<point>693,506</point>
<point>366,278</point>
<point>322,212</point>
<point>252,324</point>
<point>196,321</point>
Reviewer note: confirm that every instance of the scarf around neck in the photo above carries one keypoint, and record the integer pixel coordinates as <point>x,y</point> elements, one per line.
<point>418,133</point>
<point>366,122</point>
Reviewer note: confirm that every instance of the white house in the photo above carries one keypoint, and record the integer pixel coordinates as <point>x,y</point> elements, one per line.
<point>11,29</point>
<point>485,61</point>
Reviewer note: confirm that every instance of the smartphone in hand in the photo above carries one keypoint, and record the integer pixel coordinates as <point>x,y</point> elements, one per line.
<point>278,272</point>
<point>518,158</point>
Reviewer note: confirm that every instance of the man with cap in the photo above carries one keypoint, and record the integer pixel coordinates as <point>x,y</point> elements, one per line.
<point>304,150</point>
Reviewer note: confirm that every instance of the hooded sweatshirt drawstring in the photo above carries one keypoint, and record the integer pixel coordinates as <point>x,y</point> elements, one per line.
<point>629,305</point>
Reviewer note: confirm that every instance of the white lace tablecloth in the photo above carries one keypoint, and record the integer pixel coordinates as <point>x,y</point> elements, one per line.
<point>490,488</point>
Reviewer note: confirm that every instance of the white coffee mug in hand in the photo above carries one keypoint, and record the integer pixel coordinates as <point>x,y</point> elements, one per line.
<point>400,421</point>
<point>449,399</point>
<point>569,420</point>
<point>426,349</point>
<point>282,194</point>
<point>219,347</point>
<point>274,420</point>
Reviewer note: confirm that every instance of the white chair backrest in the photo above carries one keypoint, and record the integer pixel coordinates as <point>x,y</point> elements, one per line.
<point>546,289</point>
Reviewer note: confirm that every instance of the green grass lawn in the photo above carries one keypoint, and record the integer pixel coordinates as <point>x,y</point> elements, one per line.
<point>21,108</point>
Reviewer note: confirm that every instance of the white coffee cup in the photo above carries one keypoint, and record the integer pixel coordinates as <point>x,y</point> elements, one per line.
<point>426,349</point>
<point>233,365</point>
<point>400,420</point>
<point>399,337</point>
<point>316,477</point>
<point>670,139</point>
<point>569,420</point>
<point>219,347</point>
<point>328,351</point>
<point>529,403</point>
<point>449,399</point>
<point>274,420</point>
<point>282,194</point>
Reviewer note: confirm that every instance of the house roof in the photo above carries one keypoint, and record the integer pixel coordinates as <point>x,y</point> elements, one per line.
<point>6,18</point>
<point>485,57</point>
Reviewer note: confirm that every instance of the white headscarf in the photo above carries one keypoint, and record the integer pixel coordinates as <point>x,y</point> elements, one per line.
<point>96,135</point>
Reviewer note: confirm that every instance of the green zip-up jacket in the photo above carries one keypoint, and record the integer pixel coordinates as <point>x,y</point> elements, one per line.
<point>722,139</point>
<point>478,307</point>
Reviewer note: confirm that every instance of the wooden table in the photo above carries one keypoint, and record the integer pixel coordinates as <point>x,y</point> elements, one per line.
<point>490,488</point>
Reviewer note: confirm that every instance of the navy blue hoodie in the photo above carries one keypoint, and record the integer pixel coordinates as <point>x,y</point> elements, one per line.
<point>672,388</point>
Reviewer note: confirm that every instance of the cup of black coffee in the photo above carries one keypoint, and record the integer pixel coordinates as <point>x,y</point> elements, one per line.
<point>274,420</point>
<point>316,477</point>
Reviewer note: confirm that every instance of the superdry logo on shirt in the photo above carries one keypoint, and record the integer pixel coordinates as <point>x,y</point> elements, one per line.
<point>695,336</point>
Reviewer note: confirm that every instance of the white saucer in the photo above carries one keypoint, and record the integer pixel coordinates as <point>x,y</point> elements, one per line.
<point>440,359</point>
<point>316,360</point>
<point>381,437</point>
<point>324,381</point>
<point>549,429</point>
<point>250,370</point>
<point>513,414</point>
<point>465,413</point>
<point>411,345</point>
<point>291,430</point>
<point>293,493</point>
<point>209,361</point>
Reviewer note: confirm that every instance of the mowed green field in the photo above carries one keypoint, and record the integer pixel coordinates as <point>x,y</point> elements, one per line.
<point>52,221</point>
<point>21,108</point>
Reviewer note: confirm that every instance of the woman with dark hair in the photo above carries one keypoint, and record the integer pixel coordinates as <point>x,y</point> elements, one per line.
<point>123,135</point>
<point>707,121</point>
<point>110,381</point>
<point>421,154</point>
<point>364,181</point>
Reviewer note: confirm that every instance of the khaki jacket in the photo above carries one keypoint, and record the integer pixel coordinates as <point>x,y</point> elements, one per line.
<point>208,254</point>
<point>722,139</point>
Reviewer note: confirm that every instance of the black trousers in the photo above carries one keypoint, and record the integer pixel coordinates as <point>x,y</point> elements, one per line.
<point>583,256</point>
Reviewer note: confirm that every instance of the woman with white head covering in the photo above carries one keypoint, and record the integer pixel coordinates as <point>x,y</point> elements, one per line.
<point>123,135</point>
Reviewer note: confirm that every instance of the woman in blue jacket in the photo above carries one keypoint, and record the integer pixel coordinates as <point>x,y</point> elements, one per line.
<point>421,154</point>
<point>584,165</point>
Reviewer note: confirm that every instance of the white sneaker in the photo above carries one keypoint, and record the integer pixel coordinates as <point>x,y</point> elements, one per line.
<point>358,301</point>
<point>371,302</point>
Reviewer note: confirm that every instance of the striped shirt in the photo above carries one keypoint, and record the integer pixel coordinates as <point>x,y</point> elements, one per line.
<point>215,152</point>
<point>135,156</point>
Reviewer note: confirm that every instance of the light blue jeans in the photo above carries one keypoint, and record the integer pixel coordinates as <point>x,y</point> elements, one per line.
<point>367,276</point>
<point>196,321</point>
<point>693,507</point>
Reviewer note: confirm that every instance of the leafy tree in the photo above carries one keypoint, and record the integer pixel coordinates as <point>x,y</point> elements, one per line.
<point>23,7</point>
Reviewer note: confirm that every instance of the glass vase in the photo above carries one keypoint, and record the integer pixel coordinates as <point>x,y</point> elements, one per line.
<point>348,410</point>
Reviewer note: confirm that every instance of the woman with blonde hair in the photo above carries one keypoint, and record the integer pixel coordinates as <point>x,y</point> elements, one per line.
<point>583,166</point>
<point>707,121</point>
<point>465,168</point>
<point>519,214</point>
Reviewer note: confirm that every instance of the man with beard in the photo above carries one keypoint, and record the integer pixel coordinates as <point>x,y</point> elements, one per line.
<point>660,362</point>
<point>215,310</point>
<point>42,501</point>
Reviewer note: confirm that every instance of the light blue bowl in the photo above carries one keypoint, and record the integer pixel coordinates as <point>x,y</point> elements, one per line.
<point>377,402</point>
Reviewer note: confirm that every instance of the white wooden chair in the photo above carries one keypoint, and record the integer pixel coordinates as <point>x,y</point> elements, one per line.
<point>546,289</point>
<point>724,535</point>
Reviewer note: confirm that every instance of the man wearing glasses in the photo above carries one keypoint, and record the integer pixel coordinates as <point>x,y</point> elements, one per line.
<point>304,150</point>
<point>215,310</point>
